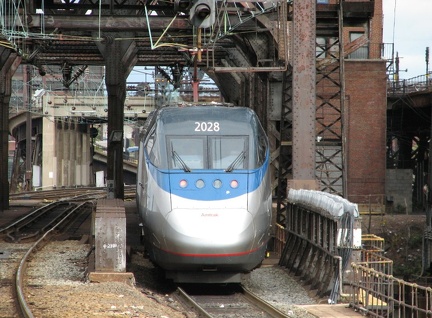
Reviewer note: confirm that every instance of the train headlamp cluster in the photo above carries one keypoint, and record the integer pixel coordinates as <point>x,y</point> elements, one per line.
<point>217,184</point>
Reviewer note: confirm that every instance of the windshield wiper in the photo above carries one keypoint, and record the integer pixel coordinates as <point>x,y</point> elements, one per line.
<point>183,164</point>
<point>236,161</point>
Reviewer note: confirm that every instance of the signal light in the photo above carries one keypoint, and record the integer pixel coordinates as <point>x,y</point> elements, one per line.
<point>202,13</point>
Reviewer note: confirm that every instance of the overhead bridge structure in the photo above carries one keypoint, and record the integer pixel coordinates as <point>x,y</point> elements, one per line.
<point>312,70</point>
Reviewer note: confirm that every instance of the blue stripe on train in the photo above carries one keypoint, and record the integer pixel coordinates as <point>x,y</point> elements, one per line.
<point>169,180</point>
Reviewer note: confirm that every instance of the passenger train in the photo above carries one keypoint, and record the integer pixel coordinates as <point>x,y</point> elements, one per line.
<point>204,193</point>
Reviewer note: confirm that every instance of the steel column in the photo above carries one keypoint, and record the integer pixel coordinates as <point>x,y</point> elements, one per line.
<point>120,58</point>
<point>304,27</point>
<point>9,62</point>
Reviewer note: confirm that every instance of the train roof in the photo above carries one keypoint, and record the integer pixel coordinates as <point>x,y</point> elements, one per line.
<point>183,120</point>
<point>174,114</point>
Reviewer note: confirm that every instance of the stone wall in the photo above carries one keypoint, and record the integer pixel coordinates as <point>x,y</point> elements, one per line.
<point>399,189</point>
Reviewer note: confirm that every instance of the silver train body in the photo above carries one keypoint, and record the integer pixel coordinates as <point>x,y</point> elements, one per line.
<point>204,193</point>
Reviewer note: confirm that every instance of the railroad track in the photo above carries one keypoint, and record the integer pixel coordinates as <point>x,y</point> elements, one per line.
<point>42,219</point>
<point>41,226</point>
<point>70,194</point>
<point>226,302</point>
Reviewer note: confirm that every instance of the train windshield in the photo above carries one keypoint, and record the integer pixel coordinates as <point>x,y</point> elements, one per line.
<point>208,152</point>
<point>187,153</point>
<point>228,152</point>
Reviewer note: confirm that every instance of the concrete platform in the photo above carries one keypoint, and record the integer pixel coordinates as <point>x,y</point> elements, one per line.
<point>102,277</point>
<point>330,311</point>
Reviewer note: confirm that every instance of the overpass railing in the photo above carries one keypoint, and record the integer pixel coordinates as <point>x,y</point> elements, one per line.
<point>419,83</point>
<point>320,237</point>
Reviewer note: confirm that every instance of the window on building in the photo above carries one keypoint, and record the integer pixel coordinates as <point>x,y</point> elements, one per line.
<point>363,51</point>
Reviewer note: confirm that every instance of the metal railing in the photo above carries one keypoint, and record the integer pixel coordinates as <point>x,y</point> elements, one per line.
<point>376,262</point>
<point>375,292</point>
<point>373,243</point>
<point>280,239</point>
<point>369,286</point>
<point>319,240</point>
<point>370,203</point>
<point>419,83</point>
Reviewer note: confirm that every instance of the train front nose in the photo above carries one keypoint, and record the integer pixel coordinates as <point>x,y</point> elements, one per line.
<point>210,231</point>
<point>222,240</point>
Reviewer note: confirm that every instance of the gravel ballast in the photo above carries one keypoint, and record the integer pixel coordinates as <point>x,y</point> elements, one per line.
<point>58,287</point>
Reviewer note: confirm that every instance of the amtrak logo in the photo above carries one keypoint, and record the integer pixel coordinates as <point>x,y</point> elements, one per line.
<point>210,214</point>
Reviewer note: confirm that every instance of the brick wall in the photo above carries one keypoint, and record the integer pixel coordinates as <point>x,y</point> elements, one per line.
<point>365,126</point>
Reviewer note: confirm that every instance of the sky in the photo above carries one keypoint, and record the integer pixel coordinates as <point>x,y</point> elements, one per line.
<point>407,24</point>
<point>142,74</point>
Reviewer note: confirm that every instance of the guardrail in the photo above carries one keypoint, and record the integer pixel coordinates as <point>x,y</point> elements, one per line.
<point>310,248</point>
<point>372,288</point>
<point>279,239</point>
<point>369,204</point>
<point>373,243</point>
<point>320,236</point>
<point>375,292</point>
<point>415,84</point>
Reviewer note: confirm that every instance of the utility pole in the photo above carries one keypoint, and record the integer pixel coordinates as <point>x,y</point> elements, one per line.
<point>427,66</point>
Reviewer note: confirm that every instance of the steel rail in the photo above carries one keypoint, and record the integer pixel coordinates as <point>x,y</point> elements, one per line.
<point>68,193</point>
<point>262,304</point>
<point>25,309</point>
<point>201,311</point>
<point>248,295</point>
<point>34,213</point>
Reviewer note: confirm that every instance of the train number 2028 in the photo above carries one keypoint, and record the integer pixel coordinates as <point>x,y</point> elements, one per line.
<point>207,126</point>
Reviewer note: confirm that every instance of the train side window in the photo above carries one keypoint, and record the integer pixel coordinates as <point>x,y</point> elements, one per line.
<point>226,149</point>
<point>151,149</point>
<point>260,145</point>
<point>261,150</point>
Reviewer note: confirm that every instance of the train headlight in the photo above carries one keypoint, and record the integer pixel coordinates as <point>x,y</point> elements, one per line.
<point>183,183</point>
<point>217,183</point>
<point>234,184</point>
<point>200,184</point>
